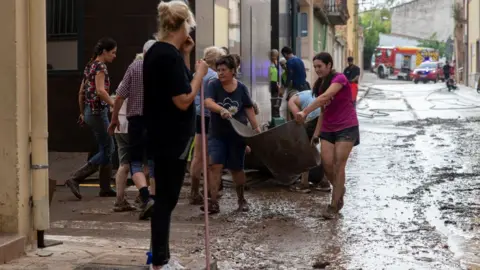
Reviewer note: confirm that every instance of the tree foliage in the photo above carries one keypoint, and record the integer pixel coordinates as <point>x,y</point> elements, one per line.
<point>434,43</point>
<point>373,23</point>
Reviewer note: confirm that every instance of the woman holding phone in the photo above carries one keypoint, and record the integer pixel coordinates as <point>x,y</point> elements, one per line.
<point>169,112</point>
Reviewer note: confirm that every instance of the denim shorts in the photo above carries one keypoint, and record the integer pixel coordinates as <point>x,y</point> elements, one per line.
<point>137,145</point>
<point>230,152</point>
<point>351,134</point>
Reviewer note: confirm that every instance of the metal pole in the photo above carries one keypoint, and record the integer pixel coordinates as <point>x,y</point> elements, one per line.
<point>39,119</point>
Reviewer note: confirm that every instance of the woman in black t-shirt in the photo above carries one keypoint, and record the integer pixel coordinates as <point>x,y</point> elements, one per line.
<point>169,112</point>
<point>226,97</point>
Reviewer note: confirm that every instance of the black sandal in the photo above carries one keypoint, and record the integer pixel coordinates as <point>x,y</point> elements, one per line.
<point>213,207</point>
<point>243,206</point>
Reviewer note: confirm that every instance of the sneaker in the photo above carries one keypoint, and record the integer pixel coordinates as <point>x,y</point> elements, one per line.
<point>123,206</point>
<point>138,200</point>
<point>175,265</point>
<point>146,210</point>
<point>172,265</point>
<point>323,186</point>
<point>300,189</point>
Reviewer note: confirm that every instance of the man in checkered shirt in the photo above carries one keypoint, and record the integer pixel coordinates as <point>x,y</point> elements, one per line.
<point>131,87</point>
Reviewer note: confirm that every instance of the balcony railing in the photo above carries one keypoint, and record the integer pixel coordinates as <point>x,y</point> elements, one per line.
<point>337,11</point>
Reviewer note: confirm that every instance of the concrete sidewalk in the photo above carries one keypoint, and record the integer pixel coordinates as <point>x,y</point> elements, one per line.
<point>467,92</point>
<point>77,253</point>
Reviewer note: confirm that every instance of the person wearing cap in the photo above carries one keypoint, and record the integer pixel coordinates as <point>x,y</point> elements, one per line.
<point>131,87</point>
<point>352,72</point>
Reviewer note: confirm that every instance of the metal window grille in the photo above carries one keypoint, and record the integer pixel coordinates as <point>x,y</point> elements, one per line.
<point>61,19</point>
<point>335,5</point>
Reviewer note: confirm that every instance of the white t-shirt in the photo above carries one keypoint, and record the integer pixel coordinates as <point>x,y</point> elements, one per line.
<point>122,117</point>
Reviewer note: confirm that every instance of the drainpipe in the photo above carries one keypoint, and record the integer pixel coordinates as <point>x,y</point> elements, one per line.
<point>325,37</point>
<point>467,51</point>
<point>39,120</point>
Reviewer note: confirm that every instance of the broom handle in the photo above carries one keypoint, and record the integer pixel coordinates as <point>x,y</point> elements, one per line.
<point>205,177</point>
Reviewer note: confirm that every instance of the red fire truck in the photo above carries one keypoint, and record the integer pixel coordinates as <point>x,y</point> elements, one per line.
<point>396,62</point>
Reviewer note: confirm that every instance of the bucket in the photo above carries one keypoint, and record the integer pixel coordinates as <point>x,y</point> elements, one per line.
<point>285,150</point>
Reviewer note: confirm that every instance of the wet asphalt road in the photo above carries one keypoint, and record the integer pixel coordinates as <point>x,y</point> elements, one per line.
<point>412,198</point>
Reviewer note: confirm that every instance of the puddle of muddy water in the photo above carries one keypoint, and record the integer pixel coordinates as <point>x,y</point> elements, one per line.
<point>450,205</point>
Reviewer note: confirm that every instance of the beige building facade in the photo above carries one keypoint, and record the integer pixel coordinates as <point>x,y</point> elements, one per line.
<point>319,34</point>
<point>23,163</point>
<point>473,42</point>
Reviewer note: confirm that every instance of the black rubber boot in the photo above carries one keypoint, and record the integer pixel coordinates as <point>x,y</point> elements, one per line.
<point>105,177</point>
<point>74,182</point>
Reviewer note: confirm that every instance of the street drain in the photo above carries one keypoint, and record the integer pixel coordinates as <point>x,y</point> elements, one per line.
<point>94,266</point>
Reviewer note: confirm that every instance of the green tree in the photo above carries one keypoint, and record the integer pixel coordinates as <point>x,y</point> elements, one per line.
<point>373,23</point>
<point>434,43</point>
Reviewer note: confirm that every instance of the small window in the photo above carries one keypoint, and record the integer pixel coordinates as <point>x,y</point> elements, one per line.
<point>62,34</point>
<point>61,19</point>
<point>303,24</point>
<point>389,53</point>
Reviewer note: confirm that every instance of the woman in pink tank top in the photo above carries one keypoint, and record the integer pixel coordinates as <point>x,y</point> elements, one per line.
<point>337,126</point>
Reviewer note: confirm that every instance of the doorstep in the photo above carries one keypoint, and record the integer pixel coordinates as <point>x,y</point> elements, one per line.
<point>12,247</point>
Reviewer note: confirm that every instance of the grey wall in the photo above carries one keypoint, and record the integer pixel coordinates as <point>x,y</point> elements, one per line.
<point>205,24</point>
<point>255,43</point>
<point>422,18</point>
<point>285,24</point>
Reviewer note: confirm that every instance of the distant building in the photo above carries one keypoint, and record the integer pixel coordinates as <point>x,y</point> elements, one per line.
<point>397,40</point>
<point>422,18</point>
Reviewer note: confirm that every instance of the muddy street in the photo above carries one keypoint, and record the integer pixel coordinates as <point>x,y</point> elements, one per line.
<point>411,201</point>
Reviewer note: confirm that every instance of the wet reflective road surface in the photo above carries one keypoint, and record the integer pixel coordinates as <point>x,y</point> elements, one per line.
<point>412,201</point>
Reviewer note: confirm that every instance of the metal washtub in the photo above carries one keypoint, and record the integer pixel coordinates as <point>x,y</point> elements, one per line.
<point>285,150</point>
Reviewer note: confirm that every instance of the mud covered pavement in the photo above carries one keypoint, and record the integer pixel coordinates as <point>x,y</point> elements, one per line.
<point>412,200</point>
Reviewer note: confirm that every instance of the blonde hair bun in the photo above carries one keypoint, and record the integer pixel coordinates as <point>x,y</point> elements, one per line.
<point>172,16</point>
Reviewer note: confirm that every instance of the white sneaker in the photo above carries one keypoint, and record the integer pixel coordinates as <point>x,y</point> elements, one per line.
<point>172,265</point>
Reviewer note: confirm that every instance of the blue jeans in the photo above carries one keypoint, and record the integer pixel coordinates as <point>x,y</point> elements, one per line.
<point>99,122</point>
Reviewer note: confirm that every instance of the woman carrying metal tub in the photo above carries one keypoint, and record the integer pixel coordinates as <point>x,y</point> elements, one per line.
<point>337,126</point>
<point>227,98</point>
<point>299,102</point>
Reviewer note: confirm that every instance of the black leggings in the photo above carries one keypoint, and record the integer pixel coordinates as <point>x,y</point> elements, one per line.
<point>169,176</point>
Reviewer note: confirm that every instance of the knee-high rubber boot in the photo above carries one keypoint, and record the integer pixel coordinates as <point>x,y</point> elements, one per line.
<point>105,177</point>
<point>74,182</point>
